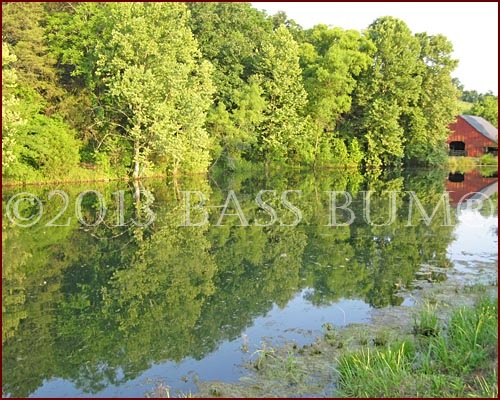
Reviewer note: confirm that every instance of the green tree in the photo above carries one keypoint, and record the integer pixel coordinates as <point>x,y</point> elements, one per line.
<point>37,143</point>
<point>23,27</point>
<point>235,132</point>
<point>229,36</point>
<point>34,145</point>
<point>71,33</point>
<point>487,108</point>
<point>394,84</point>
<point>144,88</point>
<point>280,18</point>
<point>426,123</point>
<point>331,66</point>
<point>11,118</point>
<point>404,103</point>
<point>384,135</point>
<point>152,84</point>
<point>332,59</point>
<point>283,133</point>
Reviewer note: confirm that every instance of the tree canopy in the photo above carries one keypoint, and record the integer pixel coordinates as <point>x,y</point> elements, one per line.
<point>141,89</point>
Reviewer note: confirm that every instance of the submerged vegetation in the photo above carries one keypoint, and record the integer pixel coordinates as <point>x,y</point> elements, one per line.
<point>143,89</point>
<point>448,352</point>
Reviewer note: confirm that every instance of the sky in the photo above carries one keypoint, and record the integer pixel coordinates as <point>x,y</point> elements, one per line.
<point>471,27</point>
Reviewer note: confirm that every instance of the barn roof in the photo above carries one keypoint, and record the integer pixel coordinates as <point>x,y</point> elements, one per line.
<point>482,126</point>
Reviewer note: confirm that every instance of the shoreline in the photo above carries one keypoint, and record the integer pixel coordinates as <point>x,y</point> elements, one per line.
<point>454,164</point>
<point>312,370</point>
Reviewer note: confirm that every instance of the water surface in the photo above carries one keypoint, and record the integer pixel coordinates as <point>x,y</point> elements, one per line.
<point>111,308</point>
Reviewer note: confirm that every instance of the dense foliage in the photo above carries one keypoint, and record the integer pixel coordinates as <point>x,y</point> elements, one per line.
<point>116,89</point>
<point>482,104</point>
<point>487,108</point>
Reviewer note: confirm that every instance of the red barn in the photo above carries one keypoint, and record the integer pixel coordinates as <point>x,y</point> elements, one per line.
<point>472,136</point>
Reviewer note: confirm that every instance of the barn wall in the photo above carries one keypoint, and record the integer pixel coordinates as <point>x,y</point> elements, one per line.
<point>474,141</point>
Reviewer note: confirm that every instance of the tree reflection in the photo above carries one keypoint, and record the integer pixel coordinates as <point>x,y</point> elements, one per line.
<point>99,305</point>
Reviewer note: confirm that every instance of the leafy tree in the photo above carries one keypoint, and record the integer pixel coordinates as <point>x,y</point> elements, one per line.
<point>487,108</point>
<point>331,66</point>
<point>458,85</point>
<point>355,152</point>
<point>236,131</point>
<point>427,122</point>
<point>280,18</point>
<point>71,32</point>
<point>11,118</point>
<point>34,145</point>
<point>145,88</point>
<point>404,103</point>
<point>138,70</point>
<point>229,36</point>
<point>282,133</point>
<point>331,59</point>
<point>37,143</point>
<point>384,135</point>
<point>388,89</point>
<point>45,147</point>
<point>472,96</point>
<point>154,88</point>
<point>23,28</point>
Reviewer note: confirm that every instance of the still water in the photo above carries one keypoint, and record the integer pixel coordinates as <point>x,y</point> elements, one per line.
<point>109,290</point>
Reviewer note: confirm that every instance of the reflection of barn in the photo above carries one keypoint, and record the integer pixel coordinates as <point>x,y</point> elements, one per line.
<point>467,185</point>
<point>472,136</point>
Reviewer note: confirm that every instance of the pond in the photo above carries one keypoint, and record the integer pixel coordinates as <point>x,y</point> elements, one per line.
<point>111,289</point>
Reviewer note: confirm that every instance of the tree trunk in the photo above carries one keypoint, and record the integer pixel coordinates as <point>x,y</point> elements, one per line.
<point>136,161</point>
<point>175,170</point>
<point>316,148</point>
<point>137,197</point>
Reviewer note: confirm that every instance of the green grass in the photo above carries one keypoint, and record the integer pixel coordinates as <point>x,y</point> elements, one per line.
<point>277,366</point>
<point>377,373</point>
<point>458,359</point>
<point>471,337</point>
<point>466,164</point>
<point>488,159</point>
<point>461,164</point>
<point>427,322</point>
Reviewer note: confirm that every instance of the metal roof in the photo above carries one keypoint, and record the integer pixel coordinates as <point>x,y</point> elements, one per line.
<point>482,126</point>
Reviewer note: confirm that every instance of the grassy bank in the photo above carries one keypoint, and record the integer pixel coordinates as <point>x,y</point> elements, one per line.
<point>465,164</point>
<point>443,346</point>
<point>488,163</point>
<point>454,359</point>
